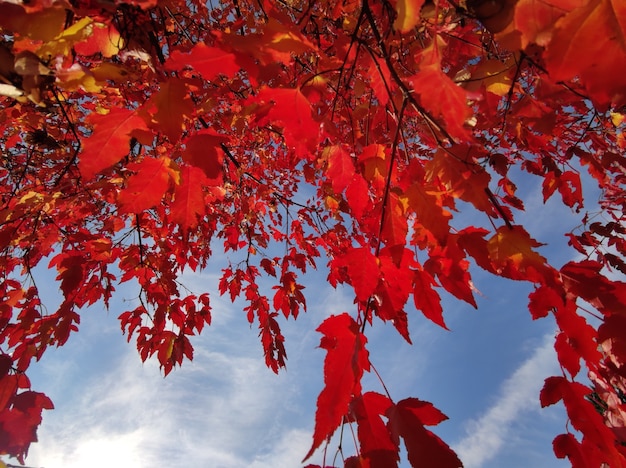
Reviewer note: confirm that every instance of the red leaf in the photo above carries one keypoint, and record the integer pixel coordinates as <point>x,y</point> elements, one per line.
<point>104,39</point>
<point>362,268</point>
<point>395,227</point>
<point>542,301</point>
<point>397,278</point>
<point>588,42</point>
<point>208,61</point>
<point>584,279</point>
<point>612,339</point>
<point>357,195</point>
<point>71,272</point>
<point>571,190</point>
<point>377,445</point>
<point>444,99</point>
<point>346,359</point>
<point>451,268</point>
<point>340,168</point>
<point>457,172</point>
<point>189,204</point>
<point>146,187</point>
<point>203,150</point>
<point>291,110</point>
<point>8,388</point>
<point>566,445</point>
<point>583,415</point>
<point>109,141</point>
<point>580,335</point>
<point>568,357</point>
<point>407,420</point>
<point>426,298</point>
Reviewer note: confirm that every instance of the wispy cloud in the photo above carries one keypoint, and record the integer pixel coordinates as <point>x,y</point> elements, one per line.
<point>225,409</point>
<point>486,436</point>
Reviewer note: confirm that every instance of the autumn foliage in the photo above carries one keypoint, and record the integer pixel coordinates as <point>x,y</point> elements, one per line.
<point>138,136</point>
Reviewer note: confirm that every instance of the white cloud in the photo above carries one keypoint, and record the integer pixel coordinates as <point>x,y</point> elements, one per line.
<point>225,409</point>
<point>486,436</point>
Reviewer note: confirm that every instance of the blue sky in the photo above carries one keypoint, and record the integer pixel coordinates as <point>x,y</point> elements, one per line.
<point>226,409</point>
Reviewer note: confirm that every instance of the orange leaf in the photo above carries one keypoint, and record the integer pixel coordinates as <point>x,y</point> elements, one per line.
<point>146,188</point>
<point>109,141</point>
<point>173,105</point>
<point>511,254</point>
<point>429,211</point>
<point>457,171</point>
<point>590,42</point>
<point>104,39</point>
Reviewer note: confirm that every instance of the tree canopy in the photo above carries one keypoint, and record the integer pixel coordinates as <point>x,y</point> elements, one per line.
<point>138,136</point>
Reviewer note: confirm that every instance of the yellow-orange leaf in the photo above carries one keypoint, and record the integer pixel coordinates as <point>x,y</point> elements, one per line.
<point>511,254</point>
<point>408,14</point>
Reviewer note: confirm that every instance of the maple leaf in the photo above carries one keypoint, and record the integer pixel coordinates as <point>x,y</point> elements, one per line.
<point>443,98</point>
<point>395,226</point>
<point>408,14</point>
<point>357,195</point>
<point>511,255</point>
<point>291,110</point>
<point>340,168</point>
<point>611,339</point>
<point>543,300</point>
<point>103,38</point>
<point>583,417</point>
<point>345,361</point>
<point>376,442</point>
<point>362,268</point>
<point>590,42</point>
<point>583,279</point>
<point>208,61</point>
<point>568,357</point>
<point>189,204</point>
<point>407,420</point>
<point>457,172</point>
<point>71,272</point>
<point>173,105</point>
<point>426,298</point>
<point>451,268</point>
<point>429,211</point>
<point>109,141</point>
<point>203,150</point>
<point>536,19</point>
<point>146,187</point>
